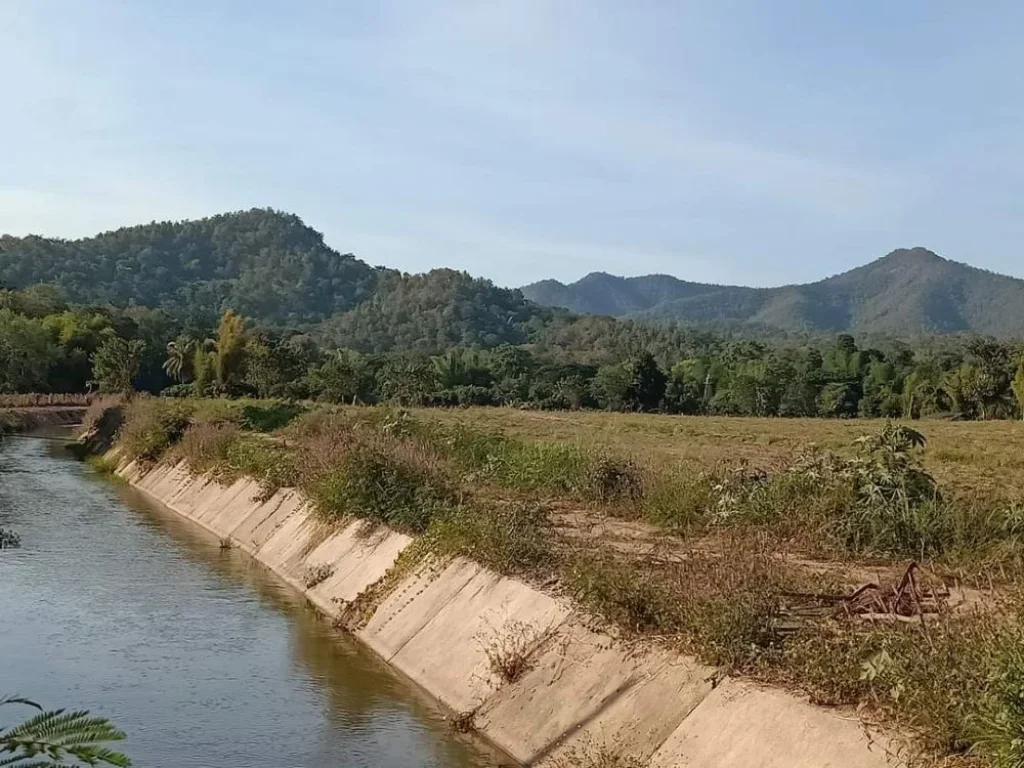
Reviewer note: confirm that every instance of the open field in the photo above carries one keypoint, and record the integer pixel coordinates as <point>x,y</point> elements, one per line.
<point>973,458</point>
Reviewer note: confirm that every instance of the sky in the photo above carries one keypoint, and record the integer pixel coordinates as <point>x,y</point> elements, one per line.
<point>752,143</point>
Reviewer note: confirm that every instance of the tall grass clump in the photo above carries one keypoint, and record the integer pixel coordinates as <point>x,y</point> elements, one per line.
<point>378,477</point>
<point>518,465</point>
<point>206,446</point>
<point>152,426</point>
<point>510,537</point>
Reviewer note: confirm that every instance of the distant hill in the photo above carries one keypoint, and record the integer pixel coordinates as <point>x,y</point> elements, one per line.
<point>907,292</point>
<point>271,267</point>
<point>263,263</point>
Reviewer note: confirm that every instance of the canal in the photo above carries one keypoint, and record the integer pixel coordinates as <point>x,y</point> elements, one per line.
<point>115,604</point>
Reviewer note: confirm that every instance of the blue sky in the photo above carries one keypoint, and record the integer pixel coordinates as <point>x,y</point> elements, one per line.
<point>743,142</point>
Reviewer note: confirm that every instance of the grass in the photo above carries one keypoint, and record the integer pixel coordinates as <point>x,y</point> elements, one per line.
<point>731,538</point>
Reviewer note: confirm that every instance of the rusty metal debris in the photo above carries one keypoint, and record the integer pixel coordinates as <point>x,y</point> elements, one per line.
<point>905,599</point>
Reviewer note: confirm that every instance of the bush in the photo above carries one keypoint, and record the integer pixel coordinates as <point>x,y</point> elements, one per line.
<point>382,479</point>
<point>151,426</point>
<point>510,537</point>
<point>206,446</point>
<point>272,464</point>
<point>269,417</point>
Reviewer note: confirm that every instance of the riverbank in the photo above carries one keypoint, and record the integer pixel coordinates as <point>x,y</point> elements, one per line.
<point>513,657</point>
<point>26,419</point>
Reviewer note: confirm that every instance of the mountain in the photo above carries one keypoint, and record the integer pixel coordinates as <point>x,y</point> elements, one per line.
<point>265,264</point>
<point>270,267</point>
<point>431,312</point>
<point>908,292</point>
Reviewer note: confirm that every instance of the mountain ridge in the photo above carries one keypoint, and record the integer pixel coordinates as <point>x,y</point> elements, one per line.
<point>908,291</point>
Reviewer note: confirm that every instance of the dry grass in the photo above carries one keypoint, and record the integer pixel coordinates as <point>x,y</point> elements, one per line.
<point>967,457</point>
<point>49,400</point>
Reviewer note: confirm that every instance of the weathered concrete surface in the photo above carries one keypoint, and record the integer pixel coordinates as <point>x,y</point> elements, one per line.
<point>583,690</point>
<point>585,686</point>
<point>742,724</point>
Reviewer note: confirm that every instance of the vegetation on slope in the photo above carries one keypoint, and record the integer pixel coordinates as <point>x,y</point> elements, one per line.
<point>754,568</point>
<point>264,263</point>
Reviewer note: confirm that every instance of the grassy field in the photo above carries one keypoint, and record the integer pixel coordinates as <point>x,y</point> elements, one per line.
<point>733,539</point>
<point>973,458</point>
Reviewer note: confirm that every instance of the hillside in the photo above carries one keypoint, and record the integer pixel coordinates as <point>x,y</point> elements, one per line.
<point>904,293</point>
<point>263,263</point>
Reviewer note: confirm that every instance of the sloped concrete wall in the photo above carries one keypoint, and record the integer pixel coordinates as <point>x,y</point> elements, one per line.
<point>583,692</point>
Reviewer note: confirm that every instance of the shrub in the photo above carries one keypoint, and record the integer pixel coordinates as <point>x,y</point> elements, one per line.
<point>151,426</point>
<point>317,575</point>
<point>269,417</point>
<point>206,446</point>
<point>510,537</point>
<point>380,478</point>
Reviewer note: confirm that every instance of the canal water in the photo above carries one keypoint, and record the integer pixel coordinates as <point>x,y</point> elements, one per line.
<point>203,657</point>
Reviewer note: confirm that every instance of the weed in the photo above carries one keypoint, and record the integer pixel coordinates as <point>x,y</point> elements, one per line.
<point>206,445</point>
<point>269,417</point>
<point>726,609</point>
<point>9,539</point>
<point>226,544</point>
<point>463,722</point>
<point>589,754</point>
<point>611,480</point>
<point>102,465</point>
<point>509,649</point>
<point>317,574</point>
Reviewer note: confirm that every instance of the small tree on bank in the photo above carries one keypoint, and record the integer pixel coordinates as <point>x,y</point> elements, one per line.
<point>115,365</point>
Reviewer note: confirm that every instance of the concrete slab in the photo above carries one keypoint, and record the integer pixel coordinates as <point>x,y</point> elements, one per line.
<point>584,682</point>
<point>742,725</point>
<point>447,656</point>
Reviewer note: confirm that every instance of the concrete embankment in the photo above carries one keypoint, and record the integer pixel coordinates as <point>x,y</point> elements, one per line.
<point>583,691</point>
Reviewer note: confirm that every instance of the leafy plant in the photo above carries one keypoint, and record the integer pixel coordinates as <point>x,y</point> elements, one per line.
<point>58,739</point>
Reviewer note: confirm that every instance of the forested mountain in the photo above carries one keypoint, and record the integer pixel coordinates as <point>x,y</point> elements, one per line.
<point>265,264</point>
<point>434,311</point>
<point>907,292</point>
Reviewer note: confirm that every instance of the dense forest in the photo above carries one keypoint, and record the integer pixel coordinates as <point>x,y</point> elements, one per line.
<point>565,362</point>
<point>255,303</point>
<point>907,292</point>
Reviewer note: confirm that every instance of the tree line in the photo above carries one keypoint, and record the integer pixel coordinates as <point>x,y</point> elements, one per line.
<point>49,346</point>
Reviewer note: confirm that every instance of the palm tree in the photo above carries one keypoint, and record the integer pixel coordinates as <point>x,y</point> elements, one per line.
<point>50,738</point>
<point>179,358</point>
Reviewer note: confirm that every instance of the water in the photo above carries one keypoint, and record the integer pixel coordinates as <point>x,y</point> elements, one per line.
<point>206,659</point>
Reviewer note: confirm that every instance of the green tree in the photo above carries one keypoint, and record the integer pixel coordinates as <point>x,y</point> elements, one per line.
<point>27,354</point>
<point>115,365</point>
<point>1018,389</point>
<point>180,357</point>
